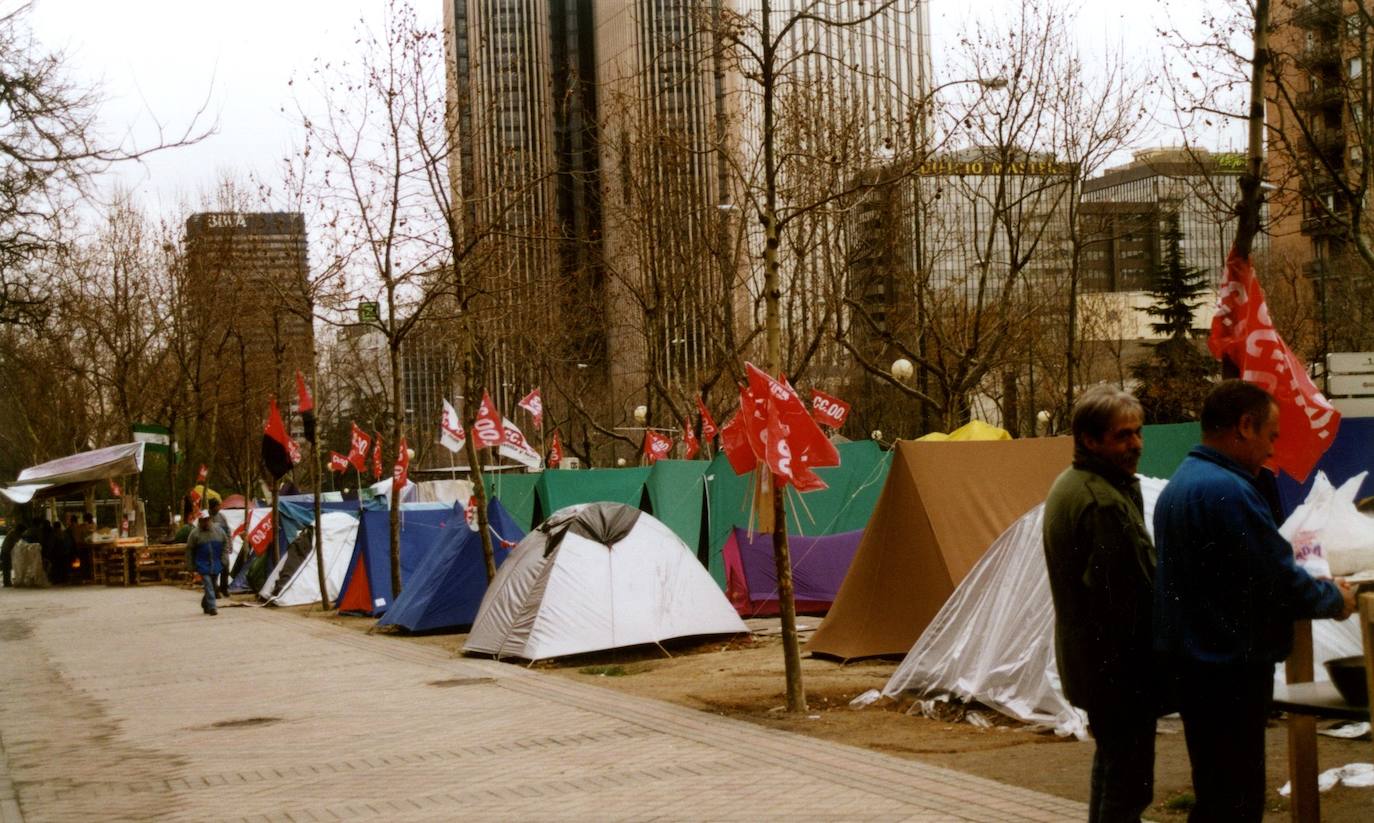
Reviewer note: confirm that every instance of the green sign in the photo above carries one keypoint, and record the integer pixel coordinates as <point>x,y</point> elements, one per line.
<point>158,438</point>
<point>369,313</point>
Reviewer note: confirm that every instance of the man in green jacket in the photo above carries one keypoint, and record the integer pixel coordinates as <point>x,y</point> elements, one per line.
<point>1101,567</point>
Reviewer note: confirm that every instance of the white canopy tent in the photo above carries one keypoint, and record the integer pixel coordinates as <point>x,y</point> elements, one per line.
<point>74,472</point>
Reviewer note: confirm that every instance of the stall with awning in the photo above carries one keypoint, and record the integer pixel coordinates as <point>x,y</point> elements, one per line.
<point>75,472</point>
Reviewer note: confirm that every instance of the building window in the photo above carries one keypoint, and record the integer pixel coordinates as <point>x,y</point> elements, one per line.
<point>1356,66</point>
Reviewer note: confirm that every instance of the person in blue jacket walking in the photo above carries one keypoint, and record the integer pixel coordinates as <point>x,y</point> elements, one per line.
<point>1227,592</point>
<point>204,545</point>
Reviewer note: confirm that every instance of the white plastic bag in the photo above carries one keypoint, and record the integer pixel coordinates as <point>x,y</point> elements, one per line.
<point>1330,537</point>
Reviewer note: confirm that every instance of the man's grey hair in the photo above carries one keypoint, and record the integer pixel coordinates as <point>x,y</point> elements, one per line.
<point>1097,407</point>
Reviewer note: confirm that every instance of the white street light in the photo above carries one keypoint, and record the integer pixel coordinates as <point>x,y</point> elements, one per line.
<point>877,435</point>
<point>902,369</point>
<point>641,414</point>
<point>620,461</point>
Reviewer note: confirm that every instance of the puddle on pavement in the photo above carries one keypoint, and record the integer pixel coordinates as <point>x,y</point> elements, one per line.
<point>460,681</point>
<point>15,629</point>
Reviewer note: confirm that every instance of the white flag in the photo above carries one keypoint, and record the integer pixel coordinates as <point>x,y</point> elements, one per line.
<point>516,447</point>
<point>451,434</point>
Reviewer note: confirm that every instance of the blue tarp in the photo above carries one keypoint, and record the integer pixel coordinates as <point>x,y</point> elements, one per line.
<point>447,587</point>
<point>366,588</point>
<point>1351,453</point>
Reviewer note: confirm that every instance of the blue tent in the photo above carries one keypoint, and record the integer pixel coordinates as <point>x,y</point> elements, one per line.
<point>366,588</point>
<point>446,588</point>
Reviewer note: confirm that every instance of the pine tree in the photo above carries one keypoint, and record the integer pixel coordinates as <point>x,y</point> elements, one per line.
<point>1175,377</point>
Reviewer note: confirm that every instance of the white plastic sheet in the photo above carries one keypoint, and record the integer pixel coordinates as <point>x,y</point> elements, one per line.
<point>993,641</point>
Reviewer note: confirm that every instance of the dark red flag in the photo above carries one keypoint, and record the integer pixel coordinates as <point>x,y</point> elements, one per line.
<point>358,445</point>
<point>279,451</point>
<point>1243,334</point>
<point>734,441</point>
<point>828,410</point>
<point>708,426</point>
<point>337,462</point>
<point>555,451</point>
<point>487,430</point>
<point>689,437</point>
<point>656,446</point>
<point>400,473</point>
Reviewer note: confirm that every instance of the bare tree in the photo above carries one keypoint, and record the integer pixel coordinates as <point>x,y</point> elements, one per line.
<point>50,152</point>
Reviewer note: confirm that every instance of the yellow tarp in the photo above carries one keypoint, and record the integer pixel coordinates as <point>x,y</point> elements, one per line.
<point>972,430</point>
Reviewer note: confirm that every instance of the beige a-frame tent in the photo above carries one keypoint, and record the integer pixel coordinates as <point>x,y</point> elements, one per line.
<point>943,505</point>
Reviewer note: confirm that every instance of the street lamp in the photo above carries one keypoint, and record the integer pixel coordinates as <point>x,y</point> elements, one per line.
<point>902,370</point>
<point>641,414</point>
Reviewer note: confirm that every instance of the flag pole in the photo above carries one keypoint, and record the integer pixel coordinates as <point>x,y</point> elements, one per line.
<point>319,517</point>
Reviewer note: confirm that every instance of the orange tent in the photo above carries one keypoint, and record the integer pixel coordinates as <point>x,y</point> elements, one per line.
<point>942,506</point>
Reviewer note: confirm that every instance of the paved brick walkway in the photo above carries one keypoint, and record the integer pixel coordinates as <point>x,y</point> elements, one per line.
<point>128,704</point>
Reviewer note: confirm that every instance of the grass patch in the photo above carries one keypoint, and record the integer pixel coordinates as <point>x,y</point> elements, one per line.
<point>1181,802</point>
<point>604,671</point>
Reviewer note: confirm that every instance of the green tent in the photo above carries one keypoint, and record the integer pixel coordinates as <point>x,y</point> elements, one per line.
<point>1165,447</point>
<point>675,493</point>
<point>515,490</point>
<point>557,489</point>
<point>845,506</point>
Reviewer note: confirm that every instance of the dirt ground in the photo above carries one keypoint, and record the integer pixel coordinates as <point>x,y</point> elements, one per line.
<point>743,678</point>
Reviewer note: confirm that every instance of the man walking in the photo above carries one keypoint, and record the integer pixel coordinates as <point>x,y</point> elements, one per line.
<point>1101,567</point>
<point>203,549</point>
<point>219,522</point>
<point>1228,591</point>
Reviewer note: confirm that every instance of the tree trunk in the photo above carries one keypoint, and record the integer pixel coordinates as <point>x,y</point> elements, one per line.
<point>319,523</point>
<point>772,290</point>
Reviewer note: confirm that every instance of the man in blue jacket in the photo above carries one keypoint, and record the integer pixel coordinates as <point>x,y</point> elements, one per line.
<point>1227,591</point>
<point>204,546</point>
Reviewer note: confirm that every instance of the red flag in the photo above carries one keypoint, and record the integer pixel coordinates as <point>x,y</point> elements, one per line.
<point>1243,334</point>
<point>400,473</point>
<point>202,473</point>
<point>690,438</point>
<point>734,440</point>
<point>708,426</point>
<point>279,451</point>
<point>359,443</point>
<point>303,401</point>
<point>238,530</point>
<point>261,535</point>
<point>377,456</point>
<point>555,451</point>
<point>487,431</point>
<point>807,446</point>
<point>337,462</point>
<point>534,404</point>
<point>828,410</point>
<point>656,446</point>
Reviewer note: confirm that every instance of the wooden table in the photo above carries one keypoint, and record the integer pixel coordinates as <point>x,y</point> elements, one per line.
<point>1305,702</point>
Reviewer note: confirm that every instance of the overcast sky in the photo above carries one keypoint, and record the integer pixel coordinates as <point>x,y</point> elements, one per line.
<point>162,60</point>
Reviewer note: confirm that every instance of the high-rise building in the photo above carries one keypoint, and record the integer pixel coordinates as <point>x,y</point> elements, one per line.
<point>615,143</point>
<point>247,271</point>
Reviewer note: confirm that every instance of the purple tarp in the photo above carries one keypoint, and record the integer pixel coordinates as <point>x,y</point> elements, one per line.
<point>819,565</point>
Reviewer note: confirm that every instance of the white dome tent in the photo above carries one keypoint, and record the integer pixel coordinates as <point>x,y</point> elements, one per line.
<point>593,577</point>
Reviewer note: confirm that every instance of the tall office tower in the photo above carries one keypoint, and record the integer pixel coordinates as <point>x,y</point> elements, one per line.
<point>525,175</point>
<point>248,271</point>
<point>853,81</point>
<point>667,135</point>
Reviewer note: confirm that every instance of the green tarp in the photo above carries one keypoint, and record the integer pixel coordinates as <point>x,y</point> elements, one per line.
<point>845,506</point>
<point>558,489</point>
<point>675,493</point>
<point>516,493</point>
<point>1165,447</point>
